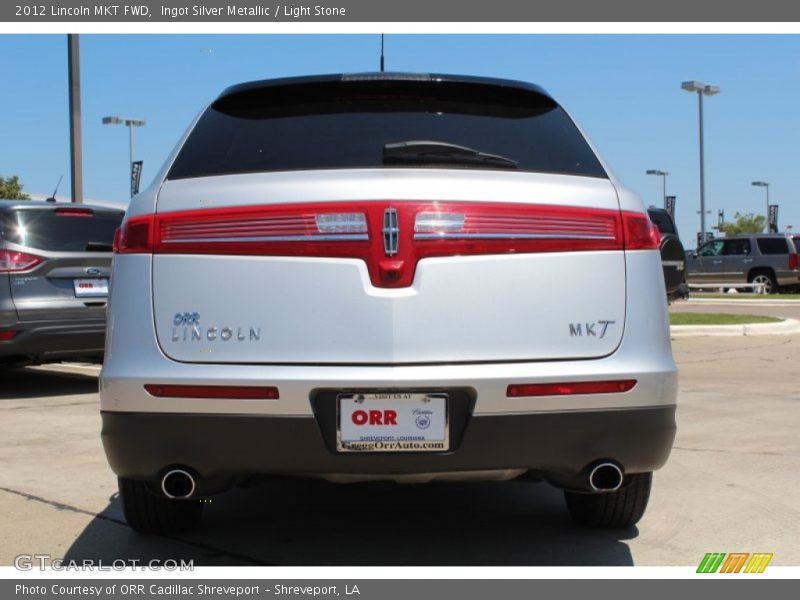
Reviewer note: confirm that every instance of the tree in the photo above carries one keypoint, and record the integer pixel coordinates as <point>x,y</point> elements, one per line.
<point>748,223</point>
<point>11,189</point>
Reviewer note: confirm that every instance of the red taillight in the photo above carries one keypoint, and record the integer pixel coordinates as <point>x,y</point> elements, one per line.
<point>6,336</point>
<point>135,236</point>
<point>570,388</point>
<point>281,224</point>
<point>792,262</point>
<point>391,237</point>
<point>640,232</point>
<point>12,261</point>
<point>74,212</point>
<point>528,228</point>
<point>233,392</point>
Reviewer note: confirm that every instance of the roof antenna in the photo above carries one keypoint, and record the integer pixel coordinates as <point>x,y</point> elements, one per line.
<point>53,197</point>
<point>381,53</point>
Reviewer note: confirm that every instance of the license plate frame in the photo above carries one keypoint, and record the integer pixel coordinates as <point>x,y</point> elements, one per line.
<point>434,414</point>
<point>98,287</point>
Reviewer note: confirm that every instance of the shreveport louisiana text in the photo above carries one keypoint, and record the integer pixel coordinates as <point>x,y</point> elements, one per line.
<point>277,11</point>
<point>181,590</point>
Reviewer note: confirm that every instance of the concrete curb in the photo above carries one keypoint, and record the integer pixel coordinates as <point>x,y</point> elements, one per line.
<point>785,327</point>
<point>766,301</point>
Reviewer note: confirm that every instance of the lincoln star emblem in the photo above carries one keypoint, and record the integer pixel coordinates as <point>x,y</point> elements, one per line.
<point>391,230</point>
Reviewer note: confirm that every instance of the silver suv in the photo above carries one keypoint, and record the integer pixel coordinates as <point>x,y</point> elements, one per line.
<point>386,276</point>
<point>766,259</point>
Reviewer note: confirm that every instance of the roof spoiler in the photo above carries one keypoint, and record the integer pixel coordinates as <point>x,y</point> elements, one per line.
<point>378,76</point>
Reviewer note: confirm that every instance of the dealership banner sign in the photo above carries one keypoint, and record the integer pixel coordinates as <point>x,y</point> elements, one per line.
<point>669,202</point>
<point>449,11</point>
<point>773,218</point>
<point>136,176</point>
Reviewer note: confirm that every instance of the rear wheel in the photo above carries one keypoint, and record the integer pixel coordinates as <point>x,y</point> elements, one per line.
<point>148,513</point>
<point>767,279</point>
<point>622,508</point>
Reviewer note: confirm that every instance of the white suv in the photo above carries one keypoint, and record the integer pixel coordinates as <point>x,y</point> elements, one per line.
<point>386,276</point>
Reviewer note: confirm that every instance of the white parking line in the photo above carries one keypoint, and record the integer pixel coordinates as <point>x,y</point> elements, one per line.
<point>80,368</point>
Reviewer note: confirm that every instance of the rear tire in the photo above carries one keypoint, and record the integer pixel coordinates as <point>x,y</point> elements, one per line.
<point>148,513</point>
<point>768,279</point>
<point>619,509</point>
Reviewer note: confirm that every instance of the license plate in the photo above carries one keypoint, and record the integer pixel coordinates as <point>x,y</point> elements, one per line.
<point>393,422</point>
<point>91,288</point>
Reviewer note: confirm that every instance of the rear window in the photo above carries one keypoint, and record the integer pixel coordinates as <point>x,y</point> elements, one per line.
<point>56,231</point>
<point>772,245</point>
<point>340,125</point>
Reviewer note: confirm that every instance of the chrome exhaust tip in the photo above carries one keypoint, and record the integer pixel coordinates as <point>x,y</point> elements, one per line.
<point>178,484</point>
<point>605,477</point>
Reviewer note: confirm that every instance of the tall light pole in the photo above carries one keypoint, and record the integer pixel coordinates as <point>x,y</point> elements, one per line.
<point>702,90</point>
<point>131,123</point>
<point>663,175</point>
<point>75,136</point>
<point>765,185</point>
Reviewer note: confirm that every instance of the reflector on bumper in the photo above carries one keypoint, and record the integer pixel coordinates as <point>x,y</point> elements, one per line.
<point>236,392</point>
<point>570,388</point>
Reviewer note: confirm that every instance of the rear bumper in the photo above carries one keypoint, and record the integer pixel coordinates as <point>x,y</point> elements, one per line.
<point>223,439</point>
<point>788,278</point>
<point>54,339</point>
<point>223,448</point>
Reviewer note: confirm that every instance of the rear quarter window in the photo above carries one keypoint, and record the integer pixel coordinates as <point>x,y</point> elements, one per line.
<point>772,245</point>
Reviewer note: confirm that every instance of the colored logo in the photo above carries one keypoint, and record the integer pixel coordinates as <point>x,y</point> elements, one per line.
<point>734,562</point>
<point>423,422</point>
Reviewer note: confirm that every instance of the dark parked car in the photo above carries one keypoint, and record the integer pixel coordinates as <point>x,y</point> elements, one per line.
<point>768,258</point>
<point>673,256</point>
<point>55,262</point>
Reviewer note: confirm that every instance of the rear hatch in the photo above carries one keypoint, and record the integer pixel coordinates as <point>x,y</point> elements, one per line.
<point>59,260</point>
<point>388,221</point>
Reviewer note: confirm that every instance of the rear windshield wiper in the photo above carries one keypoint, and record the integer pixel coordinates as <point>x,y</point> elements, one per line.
<point>98,247</point>
<point>424,151</point>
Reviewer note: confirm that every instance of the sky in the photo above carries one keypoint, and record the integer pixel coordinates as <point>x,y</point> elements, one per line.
<point>623,90</point>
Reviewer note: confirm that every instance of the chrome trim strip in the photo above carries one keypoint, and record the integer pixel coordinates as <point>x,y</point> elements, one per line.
<point>233,228</point>
<point>509,236</point>
<point>343,237</point>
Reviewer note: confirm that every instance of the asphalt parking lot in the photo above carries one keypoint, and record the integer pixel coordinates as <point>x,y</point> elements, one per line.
<point>731,485</point>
